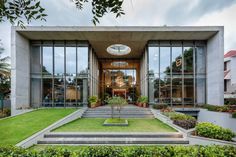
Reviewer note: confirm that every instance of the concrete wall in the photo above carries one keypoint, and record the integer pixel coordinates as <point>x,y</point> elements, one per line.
<point>20,71</point>
<point>215,69</point>
<point>143,74</point>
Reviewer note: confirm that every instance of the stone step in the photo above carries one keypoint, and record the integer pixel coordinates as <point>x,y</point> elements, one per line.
<point>88,141</point>
<point>112,135</point>
<point>116,116</point>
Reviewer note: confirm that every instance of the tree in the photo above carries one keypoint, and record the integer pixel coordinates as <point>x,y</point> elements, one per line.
<point>4,72</point>
<point>119,102</point>
<point>19,11</point>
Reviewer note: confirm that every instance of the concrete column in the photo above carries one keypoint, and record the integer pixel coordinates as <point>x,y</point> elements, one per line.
<point>20,71</point>
<point>215,69</point>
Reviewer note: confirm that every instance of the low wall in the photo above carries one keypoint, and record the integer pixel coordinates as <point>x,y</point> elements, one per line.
<point>219,118</point>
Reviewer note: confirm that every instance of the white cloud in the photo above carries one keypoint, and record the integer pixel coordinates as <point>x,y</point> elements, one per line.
<point>142,13</point>
<point>224,18</point>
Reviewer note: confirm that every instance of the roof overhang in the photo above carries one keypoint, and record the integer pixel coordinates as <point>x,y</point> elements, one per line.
<point>102,37</point>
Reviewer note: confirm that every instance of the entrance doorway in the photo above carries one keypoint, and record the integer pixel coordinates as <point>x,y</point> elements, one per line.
<point>120,80</point>
<point>119,93</point>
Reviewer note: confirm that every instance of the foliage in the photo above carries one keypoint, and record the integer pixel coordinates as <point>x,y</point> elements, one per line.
<point>160,106</point>
<point>4,66</point>
<point>123,151</point>
<point>18,11</point>
<point>234,115</point>
<point>5,113</point>
<point>210,130</point>
<point>216,108</point>
<point>143,99</point>
<point>93,99</point>
<point>183,120</point>
<point>230,101</point>
<point>116,101</point>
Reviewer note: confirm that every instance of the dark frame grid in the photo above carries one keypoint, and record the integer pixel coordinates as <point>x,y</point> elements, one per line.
<point>182,44</point>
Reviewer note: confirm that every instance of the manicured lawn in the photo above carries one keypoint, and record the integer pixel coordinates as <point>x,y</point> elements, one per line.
<point>96,125</point>
<point>115,120</point>
<point>16,129</point>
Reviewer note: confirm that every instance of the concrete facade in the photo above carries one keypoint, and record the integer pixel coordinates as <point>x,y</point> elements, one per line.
<point>101,37</point>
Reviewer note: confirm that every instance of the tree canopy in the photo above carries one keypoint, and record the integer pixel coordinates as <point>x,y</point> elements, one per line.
<point>24,11</point>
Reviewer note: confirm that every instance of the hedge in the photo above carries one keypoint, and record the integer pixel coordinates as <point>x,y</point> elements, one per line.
<point>124,151</point>
<point>210,130</point>
<point>216,108</point>
<point>234,115</point>
<point>183,120</point>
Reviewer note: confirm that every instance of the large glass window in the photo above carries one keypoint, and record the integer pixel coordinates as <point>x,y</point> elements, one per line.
<point>64,73</point>
<point>172,77</point>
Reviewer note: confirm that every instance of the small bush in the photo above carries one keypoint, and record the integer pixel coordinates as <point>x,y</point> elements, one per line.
<point>210,130</point>
<point>93,99</point>
<point>234,115</point>
<point>216,108</point>
<point>160,106</point>
<point>143,99</point>
<point>230,101</point>
<point>186,124</point>
<point>182,120</point>
<point>5,113</point>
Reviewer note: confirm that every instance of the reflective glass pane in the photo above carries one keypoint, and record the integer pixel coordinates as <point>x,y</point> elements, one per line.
<point>165,60</point>
<point>47,92</point>
<point>35,92</point>
<point>71,90</point>
<point>188,60</point>
<point>82,59</point>
<point>153,59</point>
<point>177,61</point>
<point>70,61</point>
<point>59,91</point>
<point>59,61</point>
<point>47,61</point>
<point>188,91</point>
<point>165,90</point>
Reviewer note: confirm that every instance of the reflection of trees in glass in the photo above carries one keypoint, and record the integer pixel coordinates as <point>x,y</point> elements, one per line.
<point>45,72</point>
<point>177,63</point>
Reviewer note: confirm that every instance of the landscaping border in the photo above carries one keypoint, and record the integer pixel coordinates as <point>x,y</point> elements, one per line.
<point>35,137</point>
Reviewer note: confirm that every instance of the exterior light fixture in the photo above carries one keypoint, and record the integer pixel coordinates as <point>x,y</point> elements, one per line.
<point>118,49</point>
<point>119,64</point>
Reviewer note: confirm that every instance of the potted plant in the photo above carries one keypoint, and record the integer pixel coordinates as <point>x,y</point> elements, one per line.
<point>144,101</point>
<point>93,101</point>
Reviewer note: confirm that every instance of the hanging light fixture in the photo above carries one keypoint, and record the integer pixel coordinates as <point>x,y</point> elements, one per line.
<point>118,49</point>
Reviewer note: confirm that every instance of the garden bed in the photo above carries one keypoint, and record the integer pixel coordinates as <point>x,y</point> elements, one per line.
<point>115,122</point>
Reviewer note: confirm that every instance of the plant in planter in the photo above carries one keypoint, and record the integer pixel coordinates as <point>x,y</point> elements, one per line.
<point>118,102</point>
<point>143,101</point>
<point>93,101</point>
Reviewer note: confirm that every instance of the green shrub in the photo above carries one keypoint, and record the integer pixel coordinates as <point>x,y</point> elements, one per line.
<point>159,106</point>
<point>143,99</point>
<point>216,108</point>
<point>230,101</point>
<point>183,120</point>
<point>93,99</point>
<point>210,130</point>
<point>234,115</point>
<point>124,151</point>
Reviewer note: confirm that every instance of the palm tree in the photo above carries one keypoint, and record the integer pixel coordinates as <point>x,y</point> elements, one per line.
<point>4,66</point>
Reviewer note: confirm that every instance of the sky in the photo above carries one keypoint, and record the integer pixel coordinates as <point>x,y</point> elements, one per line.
<point>141,13</point>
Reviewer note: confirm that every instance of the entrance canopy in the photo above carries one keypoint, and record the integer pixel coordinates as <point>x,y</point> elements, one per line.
<point>102,37</point>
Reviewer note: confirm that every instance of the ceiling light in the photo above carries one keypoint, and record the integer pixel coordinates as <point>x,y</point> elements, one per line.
<point>119,49</point>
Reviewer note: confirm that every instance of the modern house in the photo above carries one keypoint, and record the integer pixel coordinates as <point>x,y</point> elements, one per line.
<point>230,74</point>
<point>63,66</point>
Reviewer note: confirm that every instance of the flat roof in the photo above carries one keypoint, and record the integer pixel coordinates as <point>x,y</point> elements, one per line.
<point>136,37</point>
